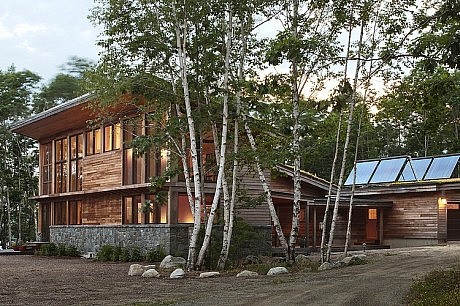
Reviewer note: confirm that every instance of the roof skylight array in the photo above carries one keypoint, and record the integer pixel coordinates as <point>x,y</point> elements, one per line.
<point>403,169</point>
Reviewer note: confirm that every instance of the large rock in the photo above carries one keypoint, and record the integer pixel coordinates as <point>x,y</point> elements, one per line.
<point>302,259</point>
<point>209,274</point>
<point>247,273</point>
<point>178,273</point>
<point>277,270</point>
<point>252,260</point>
<point>171,262</point>
<point>135,269</point>
<point>151,273</point>
<point>326,266</point>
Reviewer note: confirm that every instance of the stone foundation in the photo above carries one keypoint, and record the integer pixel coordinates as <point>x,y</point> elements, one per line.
<point>89,238</point>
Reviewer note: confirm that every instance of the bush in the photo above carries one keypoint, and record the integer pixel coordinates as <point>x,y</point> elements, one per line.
<point>135,254</point>
<point>61,249</point>
<point>105,253</point>
<point>72,251</point>
<point>116,254</point>
<point>437,288</point>
<point>49,250</point>
<point>155,255</point>
<point>125,255</point>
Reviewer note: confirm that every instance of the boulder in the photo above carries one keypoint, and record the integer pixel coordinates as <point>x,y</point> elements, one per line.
<point>277,270</point>
<point>326,266</point>
<point>178,273</point>
<point>135,269</point>
<point>302,259</point>
<point>347,260</point>
<point>252,260</point>
<point>151,273</point>
<point>171,262</point>
<point>247,273</point>
<point>209,274</point>
<point>149,267</point>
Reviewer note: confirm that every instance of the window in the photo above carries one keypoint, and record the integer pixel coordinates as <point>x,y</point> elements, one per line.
<point>93,142</point>
<point>112,137</point>
<point>76,155</point>
<point>372,214</point>
<point>132,163</point>
<point>60,213</point>
<point>61,165</point>
<point>75,210</point>
<point>46,173</point>
<point>132,210</point>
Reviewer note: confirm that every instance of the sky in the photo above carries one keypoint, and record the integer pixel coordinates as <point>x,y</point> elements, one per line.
<point>41,35</point>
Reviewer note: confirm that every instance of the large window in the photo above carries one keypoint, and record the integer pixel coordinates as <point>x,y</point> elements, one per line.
<point>112,137</point>
<point>132,163</point>
<point>75,210</point>
<point>60,213</point>
<point>93,142</point>
<point>61,165</point>
<point>46,173</point>
<point>76,155</point>
<point>136,211</point>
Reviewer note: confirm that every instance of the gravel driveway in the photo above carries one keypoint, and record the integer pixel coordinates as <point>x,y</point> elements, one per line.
<point>385,280</point>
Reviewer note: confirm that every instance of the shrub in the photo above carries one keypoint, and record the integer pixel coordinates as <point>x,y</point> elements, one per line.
<point>116,254</point>
<point>135,254</point>
<point>125,255</point>
<point>61,249</point>
<point>437,288</point>
<point>49,250</point>
<point>155,254</point>
<point>105,253</point>
<point>72,251</point>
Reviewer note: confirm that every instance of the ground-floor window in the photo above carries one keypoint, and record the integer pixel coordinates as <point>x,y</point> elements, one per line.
<point>60,213</point>
<point>75,211</point>
<point>143,210</point>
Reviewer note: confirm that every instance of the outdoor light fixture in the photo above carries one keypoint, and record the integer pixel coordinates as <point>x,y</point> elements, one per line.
<point>442,201</point>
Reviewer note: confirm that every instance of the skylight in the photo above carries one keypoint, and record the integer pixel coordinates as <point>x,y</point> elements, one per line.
<point>403,169</point>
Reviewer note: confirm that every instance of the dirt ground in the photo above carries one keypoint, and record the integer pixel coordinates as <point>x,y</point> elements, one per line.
<point>385,280</point>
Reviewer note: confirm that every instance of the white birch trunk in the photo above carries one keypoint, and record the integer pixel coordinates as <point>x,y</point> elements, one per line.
<point>263,181</point>
<point>182,55</point>
<point>345,147</point>
<point>223,143</point>
<point>295,143</point>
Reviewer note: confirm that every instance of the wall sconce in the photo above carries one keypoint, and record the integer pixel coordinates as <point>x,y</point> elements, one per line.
<point>442,201</point>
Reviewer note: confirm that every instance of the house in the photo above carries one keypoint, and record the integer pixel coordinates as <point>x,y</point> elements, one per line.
<point>93,186</point>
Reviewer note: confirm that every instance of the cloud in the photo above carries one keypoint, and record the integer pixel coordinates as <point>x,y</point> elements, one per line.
<point>20,30</point>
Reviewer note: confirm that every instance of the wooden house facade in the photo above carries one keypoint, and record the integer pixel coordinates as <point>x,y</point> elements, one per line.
<point>93,186</point>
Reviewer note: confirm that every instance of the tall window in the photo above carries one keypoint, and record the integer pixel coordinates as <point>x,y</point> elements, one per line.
<point>61,165</point>
<point>76,155</point>
<point>135,211</point>
<point>75,209</point>
<point>93,141</point>
<point>60,213</point>
<point>132,163</point>
<point>46,173</point>
<point>112,137</point>
<point>132,210</point>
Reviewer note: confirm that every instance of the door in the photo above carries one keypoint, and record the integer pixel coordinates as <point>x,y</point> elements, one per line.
<point>45,221</point>
<point>371,225</point>
<point>453,222</point>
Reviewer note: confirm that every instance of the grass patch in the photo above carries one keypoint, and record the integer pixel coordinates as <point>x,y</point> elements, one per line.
<point>436,288</point>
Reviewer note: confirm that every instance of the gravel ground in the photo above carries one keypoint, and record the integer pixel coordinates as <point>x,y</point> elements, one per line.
<point>385,280</point>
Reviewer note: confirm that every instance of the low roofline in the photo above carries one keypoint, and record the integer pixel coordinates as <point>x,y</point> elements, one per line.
<point>306,177</point>
<point>52,111</point>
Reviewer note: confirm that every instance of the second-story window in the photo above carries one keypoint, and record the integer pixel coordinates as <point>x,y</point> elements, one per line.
<point>46,173</point>
<point>112,137</point>
<point>93,142</point>
<point>76,155</point>
<point>61,165</point>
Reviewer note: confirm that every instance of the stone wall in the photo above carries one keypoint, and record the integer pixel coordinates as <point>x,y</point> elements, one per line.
<point>89,238</point>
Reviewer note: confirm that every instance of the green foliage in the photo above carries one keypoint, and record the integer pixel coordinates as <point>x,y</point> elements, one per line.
<point>105,253</point>
<point>437,288</point>
<point>155,255</point>
<point>60,249</point>
<point>116,253</point>
<point>135,254</point>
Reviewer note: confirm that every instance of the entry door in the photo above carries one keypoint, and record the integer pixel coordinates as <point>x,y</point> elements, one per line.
<point>371,225</point>
<point>45,221</point>
<point>453,222</point>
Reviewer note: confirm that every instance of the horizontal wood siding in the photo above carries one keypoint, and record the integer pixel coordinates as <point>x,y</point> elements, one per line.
<point>102,171</point>
<point>412,216</point>
<point>103,210</point>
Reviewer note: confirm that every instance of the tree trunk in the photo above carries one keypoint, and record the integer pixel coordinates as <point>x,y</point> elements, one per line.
<point>345,147</point>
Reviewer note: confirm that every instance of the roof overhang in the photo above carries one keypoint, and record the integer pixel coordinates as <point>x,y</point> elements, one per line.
<point>357,202</point>
<point>306,177</point>
<point>67,115</point>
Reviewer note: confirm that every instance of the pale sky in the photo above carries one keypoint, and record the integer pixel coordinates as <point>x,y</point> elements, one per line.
<point>41,35</point>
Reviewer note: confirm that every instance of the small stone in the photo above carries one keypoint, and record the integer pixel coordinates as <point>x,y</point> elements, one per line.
<point>178,273</point>
<point>135,269</point>
<point>247,273</point>
<point>171,262</point>
<point>151,273</point>
<point>326,266</point>
<point>149,267</point>
<point>209,274</point>
<point>277,270</point>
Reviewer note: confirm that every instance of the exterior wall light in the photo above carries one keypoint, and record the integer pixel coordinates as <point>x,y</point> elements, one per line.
<point>442,202</point>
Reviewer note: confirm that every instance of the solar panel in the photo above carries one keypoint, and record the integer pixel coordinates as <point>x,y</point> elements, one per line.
<point>388,170</point>
<point>415,169</point>
<point>364,171</point>
<point>442,167</point>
